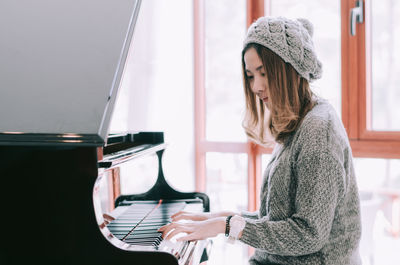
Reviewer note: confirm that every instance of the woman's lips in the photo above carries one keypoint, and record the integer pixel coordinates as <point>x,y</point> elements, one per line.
<point>265,99</point>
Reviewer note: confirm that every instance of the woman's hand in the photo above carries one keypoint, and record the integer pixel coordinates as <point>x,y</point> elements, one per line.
<point>196,230</point>
<point>182,215</point>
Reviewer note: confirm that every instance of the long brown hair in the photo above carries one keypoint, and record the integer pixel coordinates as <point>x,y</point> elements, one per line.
<point>290,99</point>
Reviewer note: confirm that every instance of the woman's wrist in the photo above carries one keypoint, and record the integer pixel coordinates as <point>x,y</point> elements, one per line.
<point>219,219</point>
<point>223,214</point>
<point>222,224</point>
<point>219,223</point>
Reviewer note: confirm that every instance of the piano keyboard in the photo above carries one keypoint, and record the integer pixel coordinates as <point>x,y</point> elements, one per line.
<point>139,223</point>
<point>136,224</point>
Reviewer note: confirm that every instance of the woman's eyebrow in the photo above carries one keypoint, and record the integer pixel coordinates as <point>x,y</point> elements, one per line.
<point>257,69</point>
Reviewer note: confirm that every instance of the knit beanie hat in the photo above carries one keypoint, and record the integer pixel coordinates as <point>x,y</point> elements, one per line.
<point>289,39</point>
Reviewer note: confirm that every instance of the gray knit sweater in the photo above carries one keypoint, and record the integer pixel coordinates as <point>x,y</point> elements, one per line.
<point>309,212</point>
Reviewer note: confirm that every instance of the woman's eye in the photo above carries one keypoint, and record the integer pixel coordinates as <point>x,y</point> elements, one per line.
<point>262,74</point>
<point>250,77</point>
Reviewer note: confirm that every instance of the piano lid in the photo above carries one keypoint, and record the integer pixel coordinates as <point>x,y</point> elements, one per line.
<point>61,66</point>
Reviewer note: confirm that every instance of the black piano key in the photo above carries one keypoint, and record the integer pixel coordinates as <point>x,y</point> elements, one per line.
<point>130,226</point>
<point>154,237</point>
<point>151,244</point>
<point>150,225</point>
<point>112,229</point>
<point>144,231</point>
<point>149,234</point>
<point>142,240</point>
<point>140,232</point>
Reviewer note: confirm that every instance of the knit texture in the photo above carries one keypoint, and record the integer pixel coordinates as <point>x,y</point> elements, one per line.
<point>291,40</point>
<point>309,212</point>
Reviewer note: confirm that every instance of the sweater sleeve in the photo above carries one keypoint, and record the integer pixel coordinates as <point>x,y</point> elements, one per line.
<point>319,172</point>
<point>249,215</point>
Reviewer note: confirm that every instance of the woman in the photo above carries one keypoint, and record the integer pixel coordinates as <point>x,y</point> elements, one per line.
<point>309,212</point>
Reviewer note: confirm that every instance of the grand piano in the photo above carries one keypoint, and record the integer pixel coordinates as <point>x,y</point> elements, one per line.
<point>56,149</point>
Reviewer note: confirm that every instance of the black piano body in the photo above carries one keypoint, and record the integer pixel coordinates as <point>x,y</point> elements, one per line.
<point>61,68</point>
<point>49,214</point>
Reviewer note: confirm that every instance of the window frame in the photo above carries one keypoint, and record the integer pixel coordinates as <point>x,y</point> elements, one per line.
<point>356,90</point>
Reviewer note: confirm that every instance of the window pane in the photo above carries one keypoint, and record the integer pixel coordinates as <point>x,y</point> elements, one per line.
<point>373,173</point>
<point>138,175</point>
<point>227,189</point>
<point>385,64</point>
<point>325,16</point>
<point>264,162</point>
<point>157,88</point>
<point>227,181</point>
<point>225,31</point>
<point>379,184</point>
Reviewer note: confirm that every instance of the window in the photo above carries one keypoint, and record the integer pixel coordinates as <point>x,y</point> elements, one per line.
<point>384,63</point>
<point>367,97</point>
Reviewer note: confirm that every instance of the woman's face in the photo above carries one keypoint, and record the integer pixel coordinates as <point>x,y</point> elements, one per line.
<point>256,75</point>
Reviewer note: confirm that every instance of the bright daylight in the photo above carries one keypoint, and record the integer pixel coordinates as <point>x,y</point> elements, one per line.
<point>196,132</point>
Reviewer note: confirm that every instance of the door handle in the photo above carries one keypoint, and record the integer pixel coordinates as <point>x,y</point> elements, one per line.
<point>356,16</point>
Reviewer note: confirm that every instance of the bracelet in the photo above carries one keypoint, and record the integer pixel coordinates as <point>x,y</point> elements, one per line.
<point>237,224</point>
<point>227,226</point>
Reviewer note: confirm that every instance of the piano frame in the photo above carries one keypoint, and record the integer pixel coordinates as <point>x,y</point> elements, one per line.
<point>49,208</point>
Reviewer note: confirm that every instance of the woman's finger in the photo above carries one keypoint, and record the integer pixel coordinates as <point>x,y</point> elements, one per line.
<point>172,234</point>
<point>183,216</point>
<point>189,237</point>
<point>189,216</point>
<point>177,214</point>
<point>167,227</point>
<point>177,230</point>
<point>185,238</point>
<point>162,228</point>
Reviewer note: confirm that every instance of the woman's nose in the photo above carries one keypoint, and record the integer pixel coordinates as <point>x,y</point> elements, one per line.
<point>258,85</point>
